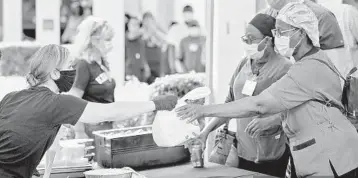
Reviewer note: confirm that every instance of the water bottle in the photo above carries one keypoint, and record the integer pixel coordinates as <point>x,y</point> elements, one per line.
<point>197,156</point>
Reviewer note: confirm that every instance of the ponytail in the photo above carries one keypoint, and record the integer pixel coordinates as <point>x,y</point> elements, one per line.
<point>43,62</point>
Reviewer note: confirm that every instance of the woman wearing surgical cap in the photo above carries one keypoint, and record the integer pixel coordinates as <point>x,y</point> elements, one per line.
<point>331,36</point>
<point>322,140</point>
<point>267,152</point>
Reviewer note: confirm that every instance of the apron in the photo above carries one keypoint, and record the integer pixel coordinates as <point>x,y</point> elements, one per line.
<point>316,144</point>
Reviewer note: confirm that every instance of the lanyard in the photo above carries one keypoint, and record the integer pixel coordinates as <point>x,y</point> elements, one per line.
<point>106,71</point>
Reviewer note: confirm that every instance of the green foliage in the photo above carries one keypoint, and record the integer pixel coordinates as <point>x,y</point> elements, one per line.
<point>177,84</point>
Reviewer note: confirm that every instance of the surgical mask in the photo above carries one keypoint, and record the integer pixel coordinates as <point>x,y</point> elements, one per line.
<point>282,44</point>
<point>66,80</point>
<point>108,46</point>
<point>251,51</point>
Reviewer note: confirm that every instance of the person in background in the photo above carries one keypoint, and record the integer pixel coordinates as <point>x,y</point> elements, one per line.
<point>87,7</point>
<point>152,29</point>
<point>126,20</point>
<point>322,140</point>
<point>346,12</point>
<point>93,81</point>
<point>136,63</point>
<point>192,49</point>
<point>154,38</point>
<point>74,20</point>
<point>180,31</point>
<point>31,118</point>
<point>266,152</point>
<point>171,53</point>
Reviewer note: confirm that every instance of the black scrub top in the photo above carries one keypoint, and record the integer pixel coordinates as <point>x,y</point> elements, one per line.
<point>29,122</point>
<point>135,58</point>
<point>92,80</point>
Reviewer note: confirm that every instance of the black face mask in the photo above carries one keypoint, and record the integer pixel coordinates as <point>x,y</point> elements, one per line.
<point>66,80</point>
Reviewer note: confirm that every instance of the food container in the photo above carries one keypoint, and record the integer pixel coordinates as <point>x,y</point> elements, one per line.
<point>134,147</point>
<point>69,172</point>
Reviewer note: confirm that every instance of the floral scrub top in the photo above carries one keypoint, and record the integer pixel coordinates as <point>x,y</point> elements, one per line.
<point>318,134</point>
<point>270,145</point>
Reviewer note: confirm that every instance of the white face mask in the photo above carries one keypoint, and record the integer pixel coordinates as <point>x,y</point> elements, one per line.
<point>252,52</point>
<point>282,44</point>
<point>105,47</point>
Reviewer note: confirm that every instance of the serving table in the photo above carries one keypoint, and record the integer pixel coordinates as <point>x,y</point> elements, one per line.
<point>185,170</point>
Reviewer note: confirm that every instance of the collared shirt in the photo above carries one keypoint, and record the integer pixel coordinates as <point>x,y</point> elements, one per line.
<point>330,33</point>
<point>270,145</point>
<point>336,139</point>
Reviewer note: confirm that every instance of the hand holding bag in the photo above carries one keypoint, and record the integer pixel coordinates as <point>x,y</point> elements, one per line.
<point>224,151</point>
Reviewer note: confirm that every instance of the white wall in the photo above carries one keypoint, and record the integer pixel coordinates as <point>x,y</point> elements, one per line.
<point>230,19</point>
<point>113,12</point>
<point>48,21</point>
<point>12,20</point>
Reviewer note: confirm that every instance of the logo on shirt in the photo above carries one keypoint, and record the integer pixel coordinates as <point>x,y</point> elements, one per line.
<point>137,56</point>
<point>193,47</point>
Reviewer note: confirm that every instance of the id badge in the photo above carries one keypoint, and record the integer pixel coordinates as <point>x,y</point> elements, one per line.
<point>102,78</point>
<point>249,87</point>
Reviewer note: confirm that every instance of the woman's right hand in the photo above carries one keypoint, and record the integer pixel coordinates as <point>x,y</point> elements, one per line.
<point>165,102</point>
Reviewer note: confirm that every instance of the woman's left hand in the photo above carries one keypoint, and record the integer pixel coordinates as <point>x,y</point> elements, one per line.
<point>191,111</point>
<point>256,126</point>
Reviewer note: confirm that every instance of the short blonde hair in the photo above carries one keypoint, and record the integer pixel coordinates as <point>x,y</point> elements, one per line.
<point>44,61</point>
<point>89,27</point>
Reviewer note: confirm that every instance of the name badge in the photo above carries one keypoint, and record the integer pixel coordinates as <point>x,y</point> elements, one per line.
<point>102,78</point>
<point>249,88</point>
<point>278,136</point>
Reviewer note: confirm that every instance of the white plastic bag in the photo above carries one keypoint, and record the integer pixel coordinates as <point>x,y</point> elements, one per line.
<point>169,130</point>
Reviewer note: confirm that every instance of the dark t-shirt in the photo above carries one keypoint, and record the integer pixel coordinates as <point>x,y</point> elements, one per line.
<point>29,122</point>
<point>94,82</point>
<point>154,57</point>
<point>135,58</point>
<point>191,50</point>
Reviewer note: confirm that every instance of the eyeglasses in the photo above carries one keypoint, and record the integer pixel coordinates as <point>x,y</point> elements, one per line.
<point>279,33</point>
<point>248,39</point>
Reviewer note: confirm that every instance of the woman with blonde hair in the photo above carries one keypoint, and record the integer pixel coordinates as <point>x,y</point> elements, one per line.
<point>31,118</point>
<point>93,81</point>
